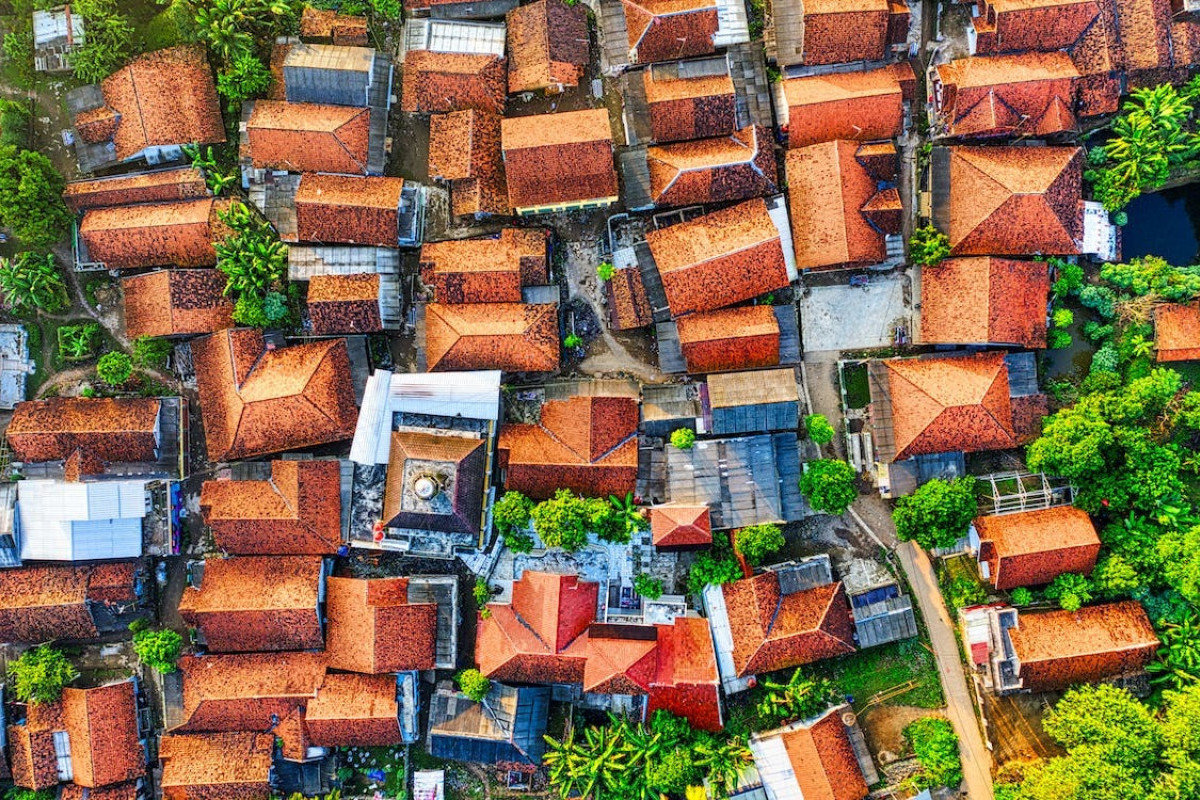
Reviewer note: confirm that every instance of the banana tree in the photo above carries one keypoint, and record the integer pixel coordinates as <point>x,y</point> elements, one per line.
<point>1178,663</point>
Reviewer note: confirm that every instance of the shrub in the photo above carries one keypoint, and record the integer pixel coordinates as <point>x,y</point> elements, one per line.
<point>1070,591</point>
<point>473,684</point>
<point>247,77</point>
<point>799,698</point>
<point>563,521</point>
<point>21,793</point>
<point>1069,280</point>
<point>683,438</point>
<point>152,353</point>
<point>158,650</point>
<point>1100,299</point>
<point>828,485</point>
<point>714,566</point>
<point>935,745</point>
<point>648,587</point>
<point>606,271</point>
<point>756,542</point>
<point>937,514</point>
<point>1021,596</point>
<point>32,282</point>
<point>114,368</point>
<point>1106,359</point>
<point>40,674</point>
<point>14,123</point>
<point>511,512</point>
<point>77,342</point>
<point>962,591</point>
<point>1058,339</point>
<point>928,247</point>
<point>1120,219</point>
<point>819,429</point>
<point>572,341</point>
<point>107,43</point>
<point>482,593</point>
<point>1063,318</point>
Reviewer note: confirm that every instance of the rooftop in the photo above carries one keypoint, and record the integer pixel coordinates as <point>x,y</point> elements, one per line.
<point>490,270</point>
<point>513,337</point>
<point>985,301</point>
<point>176,302</point>
<point>373,627</point>
<point>306,137</point>
<point>716,170</point>
<point>215,762</point>
<point>442,82</point>
<point>547,45</point>
<point>563,161</point>
<point>1177,332</point>
<point>177,234</point>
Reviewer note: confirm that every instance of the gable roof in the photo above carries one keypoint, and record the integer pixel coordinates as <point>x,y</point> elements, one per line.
<point>256,401</point>
<point>719,259</point>
<point>306,137</point>
<point>861,105</point>
<point>246,692</point>
<point>341,29</point>
<point>1001,95</point>
<point>108,429</point>
<point>680,526</point>
<point>348,209</point>
<point>154,234</point>
<point>561,159</point>
<point>344,304</point>
<point>668,30</point>
<point>587,444</point>
<point>354,711</point>
<point>686,680</point>
<point>1072,646</point>
<point>1177,332</point>
<point>373,628</point>
<point>1030,548</point>
<point>840,31</point>
<point>717,170</point>
<point>176,302</point>
<point>487,270</point>
<point>547,45</point>
<point>45,603</point>
<point>985,301</point>
<point>234,765</point>
<point>1041,25</point>
<point>296,512</point>
<point>822,759</point>
<point>690,108</point>
<point>628,305</point>
<point>746,337</point>
<point>101,725</point>
<point>514,337</point>
<point>436,82</point>
<point>464,149</point>
<point>157,186</point>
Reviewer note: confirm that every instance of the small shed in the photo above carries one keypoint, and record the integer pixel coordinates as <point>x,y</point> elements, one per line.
<point>57,33</point>
<point>506,726</point>
<point>71,521</point>
<point>762,401</point>
<point>15,364</point>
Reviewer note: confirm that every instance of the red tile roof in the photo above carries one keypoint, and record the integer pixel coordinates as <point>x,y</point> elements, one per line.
<point>676,526</point>
<point>1177,332</point>
<point>717,170</point>
<point>859,105</point>
<point>513,337</point>
<point>176,302</point>
<point>1030,93</point>
<point>668,30</point>
<point>256,603</point>
<point>306,137</point>
<point>559,160</point>
<point>101,725</point>
<point>586,444</point>
<point>344,304</point>
<point>436,82</point>
<point>232,766</point>
<point>243,692</point>
<point>690,108</point>
<point>1032,548</point>
<point>621,659</point>
<point>838,31</point>
<point>732,338</point>
<point>153,234</point>
<point>985,301</point>
<point>464,149</point>
<point>719,259</point>
<point>547,45</point>
<point>159,186</point>
<point>340,29</point>
<point>773,631</point>
<point>1041,25</point>
<point>373,628</point>
<point>491,270</point>
<point>822,758</point>
<point>1057,649</point>
<point>354,711</point>
<point>112,430</point>
<point>628,306</point>
<point>31,747</point>
<point>296,512</point>
<point>686,681</point>
<point>121,791</point>
<point>256,401</point>
<point>348,209</point>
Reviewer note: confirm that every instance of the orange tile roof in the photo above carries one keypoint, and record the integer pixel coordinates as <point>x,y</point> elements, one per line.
<point>112,430</point>
<point>1038,25</point>
<point>101,725</point>
<point>947,404</point>
<point>464,149</point>
<point>862,105</point>
<point>985,301</point>
<point>823,759</point>
<point>717,170</point>
<point>1032,548</point>
<point>547,45</point>
<point>490,270</point>
<point>373,628</point>
<point>690,108</point>
<point>746,337</point>
<point>348,209</point>
<point>1005,95</point>
<point>435,82</point>
<point>620,659</point>
<point>628,306</point>
<point>159,186</point>
<point>838,31</point>
<point>341,29</point>
<point>560,159</point>
<point>678,526</point>
<point>31,747</point>
<point>176,302</point>
<point>306,137</point>
<point>247,692</point>
<point>668,30</point>
<point>347,304</point>
<point>586,444</point>
<point>296,512</point>
<point>153,234</point>
<point>256,401</point>
<point>1177,332</point>
<point>513,337</point>
<point>236,766</point>
<point>354,711</point>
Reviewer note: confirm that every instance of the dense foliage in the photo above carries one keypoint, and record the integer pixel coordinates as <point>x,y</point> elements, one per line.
<point>512,514</point>
<point>683,438</point>
<point>32,282</point>
<point>715,566</point>
<point>937,514</point>
<point>31,197</point>
<point>648,587</point>
<point>106,43</point>
<point>829,485</point>
<point>255,265</point>
<point>152,353</point>
<point>928,247</point>
<point>114,368</point>
<point>473,684</point>
<point>800,698</point>
<point>40,674</point>
<point>935,745</point>
<point>566,519</point>
<point>819,429</point>
<point>757,542</point>
<point>158,650</point>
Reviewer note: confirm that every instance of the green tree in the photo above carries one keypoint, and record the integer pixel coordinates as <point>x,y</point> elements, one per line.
<point>937,514</point>
<point>1114,577</point>
<point>31,198</point>
<point>1063,318</point>
<point>1068,277</point>
<point>31,281</point>
<point>829,485</point>
<point>757,542</point>
<point>1070,591</point>
<point>648,587</point>
<point>152,353</point>
<point>114,368</point>
<point>801,697</point>
<point>724,761</point>
<point>254,262</point>
<point>714,566</point>
<point>1021,596</point>
<point>40,674</point>
<point>1105,717</point>
<point>15,123</point>
<point>819,429</point>
<point>158,650</point>
<point>482,592</point>
<point>683,438</point>
<point>245,78</point>
<point>1178,663</point>
<point>1152,275</point>
<point>108,41</point>
<point>605,271</point>
<point>21,793</point>
<point>928,246</point>
<point>934,743</point>
<point>962,591</point>
<point>563,521</point>
<point>512,514</point>
<point>473,684</point>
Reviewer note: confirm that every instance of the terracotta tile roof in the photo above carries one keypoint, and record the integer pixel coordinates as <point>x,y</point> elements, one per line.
<point>97,125</point>
<point>773,631</point>
<point>243,692</point>
<point>1056,649</point>
<point>732,338</point>
<point>31,747</point>
<point>113,430</point>
<point>113,582</point>
<point>436,82</point>
<point>628,306</point>
<point>985,301</point>
<point>340,29</point>
<point>43,603</point>
<point>686,680</point>
<point>1177,332</point>
<point>348,209</point>
<point>823,759</point>
<point>257,603</point>
<point>101,725</point>
<point>837,31</point>
<point>668,30</point>
<point>839,214</point>
<point>176,302</point>
<point>621,659</point>
<point>1040,25</point>
<point>676,526</point>
<point>373,628</point>
<point>344,304</point>
<point>475,171</point>
<point>1032,548</point>
<point>256,401</point>
<point>513,337</point>
<point>557,160</point>
<point>167,97</point>
<point>586,444</point>
<point>451,467</point>
<point>153,234</point>
<point>947,404</point>
<point>1145,37</point>
<point>354,711</point>
<point>305,137</point>
<point>690,108</point>
<point>160,186</point>
<point>719,259</point>
<point>120,791</point>
<point>719,170</point>
<point>541,636</point>
<point>547,45</point>
<point>234,766</point>
<point>491,270</point>
<point>1007,95</point>
<point>296,512</point>
<point>1015,200</point>
<point>860,105</point>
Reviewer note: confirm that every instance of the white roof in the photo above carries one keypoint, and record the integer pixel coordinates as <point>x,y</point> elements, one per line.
<point>51,26</point>
<point>70,521</point>
<point>453,36</point>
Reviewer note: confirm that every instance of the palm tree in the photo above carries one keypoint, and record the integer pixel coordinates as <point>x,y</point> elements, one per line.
<point>799,698</point>
<point>632,515</point>
<point>30,281</point>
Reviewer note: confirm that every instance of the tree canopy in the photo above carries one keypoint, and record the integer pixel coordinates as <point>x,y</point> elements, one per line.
<point>828,485</point>
<point>31,198</point>
<point>938,513</point>
<point>757,542</point>
<point>40,674</point>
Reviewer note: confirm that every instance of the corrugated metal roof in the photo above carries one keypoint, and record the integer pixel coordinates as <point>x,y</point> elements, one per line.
<point>65,521</point>
<point>453,36</point>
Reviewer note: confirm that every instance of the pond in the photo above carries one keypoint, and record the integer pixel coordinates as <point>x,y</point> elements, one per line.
<point>1164,224</point>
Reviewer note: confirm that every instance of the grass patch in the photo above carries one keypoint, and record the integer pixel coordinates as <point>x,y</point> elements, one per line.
<point>858,389</point>
<point>878,670</point>
<point>960,582</point>
<point>166,28</point>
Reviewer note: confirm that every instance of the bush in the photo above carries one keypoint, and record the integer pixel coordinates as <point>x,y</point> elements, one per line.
<point>683,438</point>
<point>1106,359</point>
<point>714,566</point>
<point>473,684</point>
<point>107,43</point>
<point>152,353</point>
<point>961,592</point>
<point>648,587</point>
<point>1058,339</point>
<point>1063,318</point>
<point>1069,280</point>
<point>32,282</point>
<point>563,521</point>
<point>14,123</point>
<point>1070,591</point>
<point>246,78</point>
<point>482,593</point>
<point>1100,299</point>
<point>114,368</point>
<point>937,514</point>
<point>928,247</point>
<point>40,674</point>
<point>158,650</point>
<point>819,429</point>
<point>77,342</point>
<point>935,745</point>
<point>756,542</point>
<point>606,271</point>
<point>21,793</point>
<point>1021,596</point>
<point>572,341</point>
<point>829,485</point>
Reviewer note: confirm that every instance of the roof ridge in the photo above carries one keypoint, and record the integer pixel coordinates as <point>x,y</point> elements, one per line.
<point>336,131</point>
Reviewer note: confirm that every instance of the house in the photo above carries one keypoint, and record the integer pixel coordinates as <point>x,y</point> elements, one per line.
<point>176,302</point>
<point>1016,26</point>
<point>345,304</point>
<point>717,170</point>
<point>1032,548</point>
<point>547,46</point>
<point>587,444</point>
<point>722,258</point>
<point>680,527</point>
<point>995,301</point>
<point>1029,94</point>
<point>374,626</point>
<point>435,483</point>
<point>507,726</point>
<point>60,520</point>
<point>860,105</point>
<point>246,691</point>
<point>57,34</point>
<point>257,400</point>
<point>153,234</point>
<point>250,604</point>
<point>820,32</point>
<point>147,110</point>
<point>16,363</point>
<point>341,76</point>
<point>297,511</point>
<point>559,163</point>
<point>47,603</point>
<point>347,209</point>
<point>464,151</point>
<point>762,401</point>
<point>354,711</point>
<point>306,262</point>
<point>307,137</point>
<point>216,765</point>
<point>628,304</point>
<point>746,337</point>
<point>75,437</point>
<point>1177,332</point>
<point>155,186</point>
<point>684,108</point>
<point>513,337</point>
<point>439,83</point>
<point>844,204</point>
<point>456,36</point>
<point>489,270</point>
<point>1022,200</point>
<point>662,30</point>
<point>541,636</point>
<point>822,757</point>
<point>332,27</point>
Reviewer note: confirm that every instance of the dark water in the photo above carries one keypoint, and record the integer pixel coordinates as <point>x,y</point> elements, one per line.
<point>1164,224</point>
